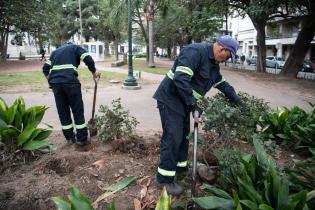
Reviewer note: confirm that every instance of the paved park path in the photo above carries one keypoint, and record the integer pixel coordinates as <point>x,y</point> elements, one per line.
<point>277,91</point>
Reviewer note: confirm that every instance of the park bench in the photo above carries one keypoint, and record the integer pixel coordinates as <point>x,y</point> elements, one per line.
<point>117,63</point>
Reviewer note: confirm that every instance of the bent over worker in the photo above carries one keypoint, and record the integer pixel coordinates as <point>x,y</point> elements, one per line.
<point>61,73</point>
<point>194,72</point>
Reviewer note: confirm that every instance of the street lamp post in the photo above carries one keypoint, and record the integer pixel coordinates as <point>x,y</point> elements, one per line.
<point>130,82</point>
<point>81,31</point>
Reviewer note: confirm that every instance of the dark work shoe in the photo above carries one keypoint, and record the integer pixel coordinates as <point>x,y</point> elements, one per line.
<point>171,188</point>
<point>70,141</point>
<point>82,143</point>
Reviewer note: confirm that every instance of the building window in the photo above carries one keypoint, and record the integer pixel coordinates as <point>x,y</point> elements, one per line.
<point>93,48</point>
<point>86,47</point>
<point>100,49</point>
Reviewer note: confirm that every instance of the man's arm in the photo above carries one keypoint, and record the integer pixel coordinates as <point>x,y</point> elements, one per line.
<point>228,91</point>
<point>186,64</point>
<point>88,60</point>
<point>46,68</point>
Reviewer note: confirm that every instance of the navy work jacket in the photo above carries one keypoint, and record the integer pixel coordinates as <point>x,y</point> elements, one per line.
<point>193,74</point>
<point>63,64</point>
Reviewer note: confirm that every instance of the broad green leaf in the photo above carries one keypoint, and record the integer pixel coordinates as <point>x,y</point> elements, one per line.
<point>265,207</point>
<point>216,191</point>
<point>214,202</point>
<point>26,134</point>
<point>164,202</point>
<point>44,134</point>
<point>298,200</point>
<point>250,204</point>
<point>79,200</point>
<point>3,109</point>
<point>3,124</point>
<point>10,114</point>
<point>61,204</point>
<point>121,184</point>
<point>250,191</point>
<point>310,195</point>
<point>111,206</point>
<point>34,145</point>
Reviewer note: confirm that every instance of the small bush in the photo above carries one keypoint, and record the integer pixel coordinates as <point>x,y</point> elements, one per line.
<point>229,120</point>
<point>115,123</point>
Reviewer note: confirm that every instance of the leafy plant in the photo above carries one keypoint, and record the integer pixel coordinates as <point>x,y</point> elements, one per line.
<point>229,166</point>
<point>164,202</point>
<point>290,125</point>
<point>114,123</point>
<point>302,173</point>
<point>18,126</point>
<point>231,121</point>
<point>75,201</point>
<point>260,187</point>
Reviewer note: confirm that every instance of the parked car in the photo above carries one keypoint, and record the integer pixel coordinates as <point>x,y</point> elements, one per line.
<point>274,62</point>
<point>252,60</point>
<point>308,66</point>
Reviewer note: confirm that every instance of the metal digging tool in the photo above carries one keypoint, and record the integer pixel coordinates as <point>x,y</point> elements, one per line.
<point>193,185</point>
<point>91,123</point>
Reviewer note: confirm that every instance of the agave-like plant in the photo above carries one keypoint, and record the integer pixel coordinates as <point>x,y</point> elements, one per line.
<point>260,188</point>
<point>76,201</point>
<point>19,126</point>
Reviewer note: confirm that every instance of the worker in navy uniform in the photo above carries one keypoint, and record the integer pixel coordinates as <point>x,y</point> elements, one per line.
<point>62,75</point>
<point>194,72</point>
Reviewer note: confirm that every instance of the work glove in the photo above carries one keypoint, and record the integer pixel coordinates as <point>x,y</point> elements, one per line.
<point>96,75</point>
<point>197,108</point>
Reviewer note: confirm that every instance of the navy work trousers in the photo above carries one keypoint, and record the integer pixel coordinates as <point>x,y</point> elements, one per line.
<point>69,96</point>
<point>174,143</point>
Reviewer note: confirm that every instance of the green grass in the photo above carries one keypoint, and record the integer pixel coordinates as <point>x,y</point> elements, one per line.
<point>35,80</point>
<point>140,64</point>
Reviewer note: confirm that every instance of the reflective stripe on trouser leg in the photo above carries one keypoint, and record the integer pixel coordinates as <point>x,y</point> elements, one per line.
<point>77,107</point>
<point>60,93</point>
<point>172,124</point>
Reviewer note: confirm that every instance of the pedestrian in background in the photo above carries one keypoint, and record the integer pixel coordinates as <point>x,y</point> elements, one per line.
<point>62,75</point>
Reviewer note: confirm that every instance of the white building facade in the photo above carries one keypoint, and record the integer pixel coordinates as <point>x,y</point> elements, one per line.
<point>280,37</point>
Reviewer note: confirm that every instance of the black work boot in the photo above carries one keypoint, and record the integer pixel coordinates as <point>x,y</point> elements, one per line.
<point>171,188</point>
<point>70,141</point>
<point>82,142</point>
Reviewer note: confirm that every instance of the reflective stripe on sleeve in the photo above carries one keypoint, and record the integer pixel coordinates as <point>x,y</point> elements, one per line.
<point>80,126</point>
<point>83,56</point>
<point>182,164</point>
<point>185,70</point>
<point>164,172</point>
<point>218,83</point>
<point>48,62</point>
<point>65,66</point>
<point>66,127</point>
<point>170,74</point>
<point>197,96</point>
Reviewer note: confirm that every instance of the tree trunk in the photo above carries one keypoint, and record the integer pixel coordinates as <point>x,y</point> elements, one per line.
<point>300,47</point>
<point>169,51</point>
<point>4,34</point>
<point>261,44</point>
<point>116,48</point>
<point>106,49</point>
<point>150,33</point>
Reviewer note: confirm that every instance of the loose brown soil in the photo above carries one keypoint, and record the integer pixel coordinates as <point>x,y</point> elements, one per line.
<point>30,185</point>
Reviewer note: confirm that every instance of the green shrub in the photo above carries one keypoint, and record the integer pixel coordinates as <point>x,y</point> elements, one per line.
<point>140,55</point>
<point>76,201</point>
<point>229,120</point>
<point>18,127</point>
<point>115,123</point>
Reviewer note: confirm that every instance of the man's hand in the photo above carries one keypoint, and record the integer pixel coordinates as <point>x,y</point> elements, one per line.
<point>96,75</point>
<point>197,108</point>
